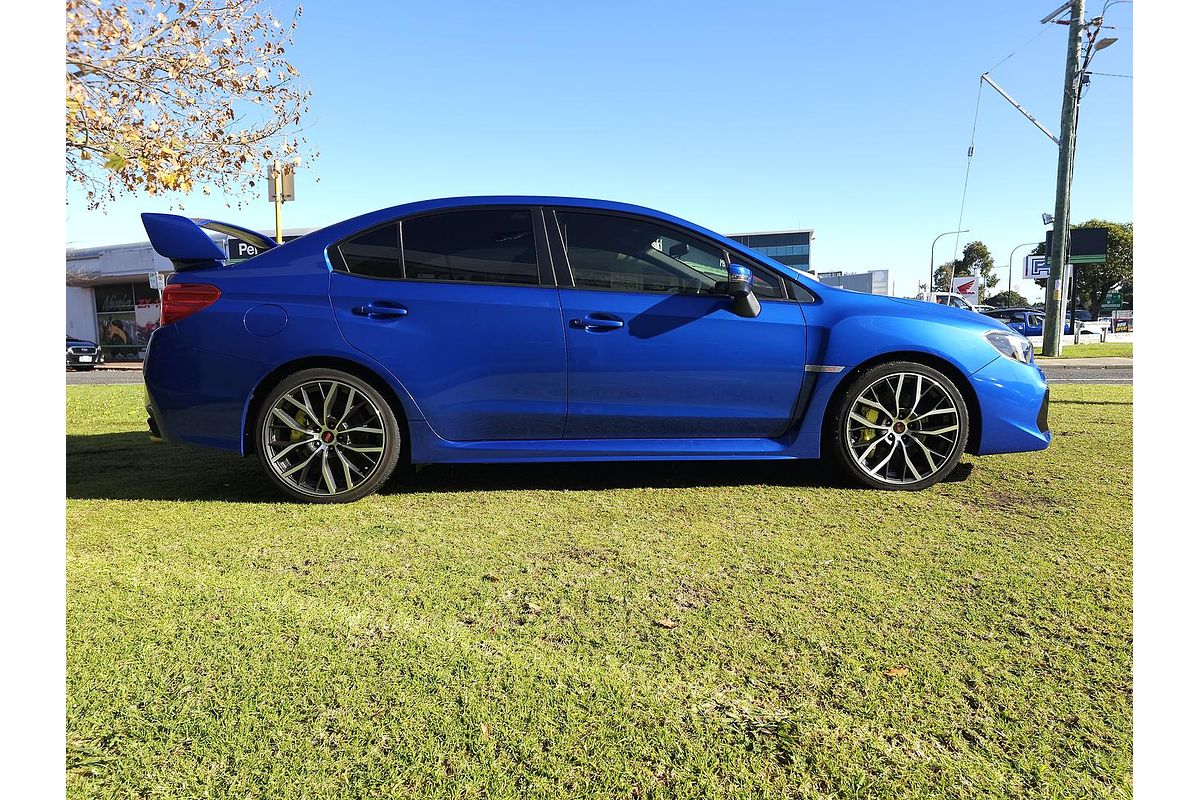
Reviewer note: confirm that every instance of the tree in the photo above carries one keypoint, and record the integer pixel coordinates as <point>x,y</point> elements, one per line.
<point>167,96</point>
<point>1008,299</point>
<point>974,254</point>
<point>1093,281</point>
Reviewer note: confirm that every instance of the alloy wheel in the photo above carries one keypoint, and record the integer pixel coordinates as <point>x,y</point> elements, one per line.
<point>903,428</point>
<point>324,438</point>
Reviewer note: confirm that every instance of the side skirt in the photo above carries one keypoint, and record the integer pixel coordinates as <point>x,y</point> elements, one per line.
<point>429,448</point>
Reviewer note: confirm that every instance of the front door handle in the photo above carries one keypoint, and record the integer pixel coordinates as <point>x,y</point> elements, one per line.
<point>597,322</point>
<point>380,309</point>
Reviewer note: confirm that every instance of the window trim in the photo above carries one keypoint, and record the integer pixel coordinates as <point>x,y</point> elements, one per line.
<point>559,249</point>
<point>541,254</point>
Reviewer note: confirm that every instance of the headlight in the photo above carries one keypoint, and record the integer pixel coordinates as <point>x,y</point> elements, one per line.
<point>1013,345</point>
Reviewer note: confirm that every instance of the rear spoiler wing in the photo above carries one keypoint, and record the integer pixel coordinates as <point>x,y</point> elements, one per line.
<point>185,243</point>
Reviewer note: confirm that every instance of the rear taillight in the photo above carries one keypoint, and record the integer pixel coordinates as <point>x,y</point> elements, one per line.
<point>184,299</point>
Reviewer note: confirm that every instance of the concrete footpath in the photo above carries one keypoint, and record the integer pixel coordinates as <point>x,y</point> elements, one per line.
<point>1106,362</point>
<point>1108,369</point>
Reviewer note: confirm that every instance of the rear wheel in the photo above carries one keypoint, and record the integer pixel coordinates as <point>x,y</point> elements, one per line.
<point>326,436</point>
<point>901,425</point>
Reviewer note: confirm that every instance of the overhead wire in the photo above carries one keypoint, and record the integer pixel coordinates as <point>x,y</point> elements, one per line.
<point>974,126</point>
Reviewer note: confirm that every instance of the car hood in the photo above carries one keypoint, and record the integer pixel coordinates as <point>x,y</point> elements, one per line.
<point>937,312</point>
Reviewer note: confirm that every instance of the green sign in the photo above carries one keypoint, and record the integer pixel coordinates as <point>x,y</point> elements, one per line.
<point>1113,299</point>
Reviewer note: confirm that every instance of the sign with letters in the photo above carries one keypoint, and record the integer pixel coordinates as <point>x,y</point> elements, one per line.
<point>239,249</point>
<point>1036,267</point>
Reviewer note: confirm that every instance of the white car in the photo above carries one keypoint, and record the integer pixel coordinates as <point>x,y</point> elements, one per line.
<point>950,299</point>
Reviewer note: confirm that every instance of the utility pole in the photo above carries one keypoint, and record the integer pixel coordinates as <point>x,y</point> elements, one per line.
<point>1052,332</point>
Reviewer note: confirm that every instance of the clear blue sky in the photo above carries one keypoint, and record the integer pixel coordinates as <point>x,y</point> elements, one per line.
<point>851,120</point>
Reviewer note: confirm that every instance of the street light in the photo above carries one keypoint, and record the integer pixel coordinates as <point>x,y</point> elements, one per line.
<point>1010,258</point>
<point>940,235</point>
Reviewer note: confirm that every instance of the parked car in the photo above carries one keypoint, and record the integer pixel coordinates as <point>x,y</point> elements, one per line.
<point>1081,314</point>
<point>1026,321</point>
<point>82,354</point>
<point>951,299</point>
<point>519,329</point>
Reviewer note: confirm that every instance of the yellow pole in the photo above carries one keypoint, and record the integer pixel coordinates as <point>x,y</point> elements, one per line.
<point>278,179</point>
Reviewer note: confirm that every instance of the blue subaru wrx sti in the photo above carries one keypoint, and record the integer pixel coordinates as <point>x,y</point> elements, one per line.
<point>491,329</point>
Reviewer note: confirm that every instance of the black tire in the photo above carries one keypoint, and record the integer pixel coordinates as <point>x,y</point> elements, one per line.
<point>269,444</point>
<point>920,453</point>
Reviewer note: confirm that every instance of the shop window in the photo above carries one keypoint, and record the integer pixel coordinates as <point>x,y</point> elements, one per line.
<point>126,315</point>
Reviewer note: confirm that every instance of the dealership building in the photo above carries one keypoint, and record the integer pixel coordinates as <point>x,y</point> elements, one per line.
<point>110,297</point>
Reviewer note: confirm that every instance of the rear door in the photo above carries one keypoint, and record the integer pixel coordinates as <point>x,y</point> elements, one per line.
<point>460,306</point>
<point>654,348</point>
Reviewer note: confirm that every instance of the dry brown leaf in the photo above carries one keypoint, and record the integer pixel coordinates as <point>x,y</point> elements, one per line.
<point>897,672</point>
<point>666,623</point>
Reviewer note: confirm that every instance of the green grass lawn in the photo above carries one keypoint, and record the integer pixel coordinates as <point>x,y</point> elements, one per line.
<point>1098,349</point>
<point>609,630</point>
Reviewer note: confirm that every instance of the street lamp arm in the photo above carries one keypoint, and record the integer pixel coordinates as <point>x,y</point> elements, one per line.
<point>935,241</point>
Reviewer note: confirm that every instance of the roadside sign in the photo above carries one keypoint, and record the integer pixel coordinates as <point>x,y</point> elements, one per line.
<point>1112,300</point>
<point>1122,321</point>
<point>156,280</point>
<point>1036,267</point>
<point>1084,246</point>
<point>239,249</point>
<point>287,184</point>
<point>966,287</point>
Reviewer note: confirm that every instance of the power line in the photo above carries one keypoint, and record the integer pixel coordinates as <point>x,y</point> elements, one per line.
<point>966,178</point>
<point>1019,49</point>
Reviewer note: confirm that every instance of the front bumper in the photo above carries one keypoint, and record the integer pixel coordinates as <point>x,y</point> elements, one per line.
<point>85,359</point>
<point>1014,403</point>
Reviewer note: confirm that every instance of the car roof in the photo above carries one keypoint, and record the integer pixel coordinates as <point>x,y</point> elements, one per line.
<point>337,230</point>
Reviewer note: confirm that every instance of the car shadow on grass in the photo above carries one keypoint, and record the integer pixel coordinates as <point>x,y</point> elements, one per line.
<point>128,466</point>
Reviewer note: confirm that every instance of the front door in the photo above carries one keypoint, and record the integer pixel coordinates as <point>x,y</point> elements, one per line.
<point>454,305</point>
<point>653,347</point>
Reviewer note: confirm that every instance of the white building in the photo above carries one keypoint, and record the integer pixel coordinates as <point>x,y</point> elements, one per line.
<point>110,299</point>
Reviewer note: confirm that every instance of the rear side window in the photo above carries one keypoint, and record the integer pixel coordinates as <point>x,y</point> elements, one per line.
<point>373,254</point>
<point>493,246</point>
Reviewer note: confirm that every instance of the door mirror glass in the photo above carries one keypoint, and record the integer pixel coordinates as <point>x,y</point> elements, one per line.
<point>741,289</point>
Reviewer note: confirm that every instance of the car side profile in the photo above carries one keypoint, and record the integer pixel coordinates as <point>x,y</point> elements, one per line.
<point>536,329</point>
<point>1025,321</point>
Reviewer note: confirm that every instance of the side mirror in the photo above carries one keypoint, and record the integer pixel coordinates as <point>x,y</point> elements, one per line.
<point>741,289</point>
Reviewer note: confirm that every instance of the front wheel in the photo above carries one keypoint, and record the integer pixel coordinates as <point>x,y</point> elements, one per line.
<point>901,425</point>
<point>326,436</point>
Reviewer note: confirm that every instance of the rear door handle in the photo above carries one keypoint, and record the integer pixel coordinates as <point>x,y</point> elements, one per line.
<point>380,309</point>
<point>597,322</point>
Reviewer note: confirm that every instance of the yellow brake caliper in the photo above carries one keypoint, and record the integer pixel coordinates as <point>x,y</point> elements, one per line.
<point>867,434</point>
<point>300,419</point>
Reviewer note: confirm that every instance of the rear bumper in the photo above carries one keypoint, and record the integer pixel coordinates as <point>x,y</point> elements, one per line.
<point>1014,403</point>
<point>196,396</point>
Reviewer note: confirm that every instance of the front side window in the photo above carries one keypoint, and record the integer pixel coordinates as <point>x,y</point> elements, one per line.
<point>634,255</point>
<point>488,246</point>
